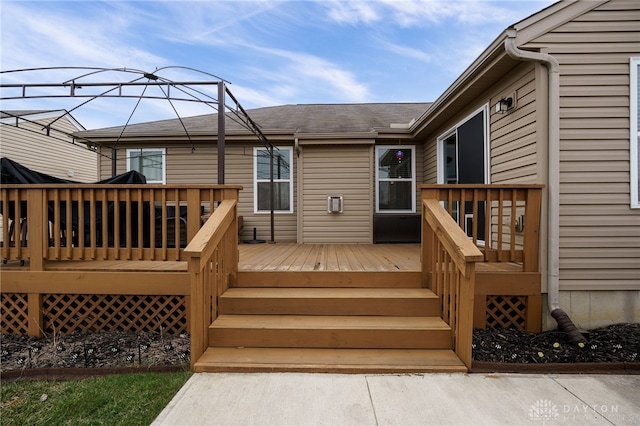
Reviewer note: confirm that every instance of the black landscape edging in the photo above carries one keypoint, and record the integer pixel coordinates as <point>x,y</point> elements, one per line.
<point>557,367</point>
<point>69,373</point>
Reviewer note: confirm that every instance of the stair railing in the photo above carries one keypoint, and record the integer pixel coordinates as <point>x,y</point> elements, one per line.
<point>213,267</point>
<point>493,216</point>
<point>448,266</point>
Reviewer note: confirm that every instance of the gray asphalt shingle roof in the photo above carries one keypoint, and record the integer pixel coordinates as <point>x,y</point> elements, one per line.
<point>300,118</point>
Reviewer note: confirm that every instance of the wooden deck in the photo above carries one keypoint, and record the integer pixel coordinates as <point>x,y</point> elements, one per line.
<point>283,256</point>
<point>289,256</point>
<point>137,266</point>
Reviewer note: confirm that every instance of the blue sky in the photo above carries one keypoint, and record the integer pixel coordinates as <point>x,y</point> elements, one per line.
<point>272,52</point>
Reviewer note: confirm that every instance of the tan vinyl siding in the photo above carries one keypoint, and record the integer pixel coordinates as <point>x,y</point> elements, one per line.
<point>429,163</point>
<point>514,137</point>
<point>239,171</point>
<point>201,167</point>
<point>599,232</point>
<point>197,167</point>
<point>54,155</point>
<point>345,170</point>
<point>183,166</point>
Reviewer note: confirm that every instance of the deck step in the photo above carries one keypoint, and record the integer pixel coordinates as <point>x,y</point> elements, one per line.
<point>329,360</point>
<point>367,279</point>
<point>339,331</point>
<point>330,301</point>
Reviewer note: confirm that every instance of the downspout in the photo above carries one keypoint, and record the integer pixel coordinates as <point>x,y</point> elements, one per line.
<point>553,190</point>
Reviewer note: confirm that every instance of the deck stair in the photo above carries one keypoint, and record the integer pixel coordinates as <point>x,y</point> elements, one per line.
<point>319,328</point>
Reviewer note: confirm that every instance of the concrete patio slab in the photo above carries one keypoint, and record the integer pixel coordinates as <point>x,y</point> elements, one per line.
<point>461,399</point>
<point>270,399</point>
<point>421,399</point>
<point>616,398</point>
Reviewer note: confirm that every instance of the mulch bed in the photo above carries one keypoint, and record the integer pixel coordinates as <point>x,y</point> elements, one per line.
<point>81,355</point>
<point>613,349</point>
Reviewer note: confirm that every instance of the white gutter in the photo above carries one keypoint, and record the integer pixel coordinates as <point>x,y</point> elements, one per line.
<point>553,184</point>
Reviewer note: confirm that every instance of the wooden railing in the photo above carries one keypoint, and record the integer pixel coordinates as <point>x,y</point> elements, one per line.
<point>103,222</point>
<point>467,224</point>
<point>450,258</point>
<point>503,221</point>
<point>213,267</point>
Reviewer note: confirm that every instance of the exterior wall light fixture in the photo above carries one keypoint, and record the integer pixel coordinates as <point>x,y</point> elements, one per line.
<point>504,105</point>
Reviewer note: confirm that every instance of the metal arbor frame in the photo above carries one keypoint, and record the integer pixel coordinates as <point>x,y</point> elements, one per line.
<point>186,93</point>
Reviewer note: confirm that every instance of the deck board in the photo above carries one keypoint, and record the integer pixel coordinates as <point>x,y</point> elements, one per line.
<point>289,256</point>
<point>329,360</point>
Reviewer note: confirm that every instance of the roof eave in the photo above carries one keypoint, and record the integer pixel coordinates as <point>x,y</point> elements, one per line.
<point>526,30</point>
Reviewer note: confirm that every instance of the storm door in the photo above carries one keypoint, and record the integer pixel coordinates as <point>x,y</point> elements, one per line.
<point>395,219</point>
<point>462,154</point>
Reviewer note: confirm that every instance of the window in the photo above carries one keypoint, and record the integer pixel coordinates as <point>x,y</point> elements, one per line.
<point>634,120</point>
<point>282,178</point>
<point>462,151</point>
<point>148,161</point>
<point>462,159</point>
<point>395,179</point>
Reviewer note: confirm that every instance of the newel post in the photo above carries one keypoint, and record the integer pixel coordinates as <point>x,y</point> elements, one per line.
<point>37,242</point>
<point>427,240</point>
<point>198,309</point>
<point>464,325</point>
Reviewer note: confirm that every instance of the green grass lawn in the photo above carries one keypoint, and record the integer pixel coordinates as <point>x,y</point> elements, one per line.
<point>124,399</point>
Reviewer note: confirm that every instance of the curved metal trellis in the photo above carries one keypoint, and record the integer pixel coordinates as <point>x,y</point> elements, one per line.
<point>115,90</point>
<point>186,93</point>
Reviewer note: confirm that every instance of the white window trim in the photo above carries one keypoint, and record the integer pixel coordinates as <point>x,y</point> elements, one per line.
<point>255,181</point>
<point>164,161</point>
<point>413,178</point>
<point>440,145</point>
<point>440,152</point>
<point>634,139</point>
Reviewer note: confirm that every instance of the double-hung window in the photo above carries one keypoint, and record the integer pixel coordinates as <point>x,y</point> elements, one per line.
<point>151,162</point>
<point>635,131</point>
<point>282,180</point>
<point>395,179</point>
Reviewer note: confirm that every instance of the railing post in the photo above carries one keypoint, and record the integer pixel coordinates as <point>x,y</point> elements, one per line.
<point>464,325</point>
<point>198,322</point>
<point>194,218</point>
<point>426,247</point>
<point>426,252</point>
<point>35,318</point>
<point>36,220</point>
<point>531,241</point>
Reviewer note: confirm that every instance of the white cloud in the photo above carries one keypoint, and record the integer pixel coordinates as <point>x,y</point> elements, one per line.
<point>312,74</point>
<point>406,51</point>
<point>50,37</point>
<point>408,13</point>
<point>351,12</point>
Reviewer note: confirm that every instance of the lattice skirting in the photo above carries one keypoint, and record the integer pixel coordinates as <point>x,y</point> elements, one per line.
<point>68,313</point>
<point>13,310</point>
<point>507,311</point>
